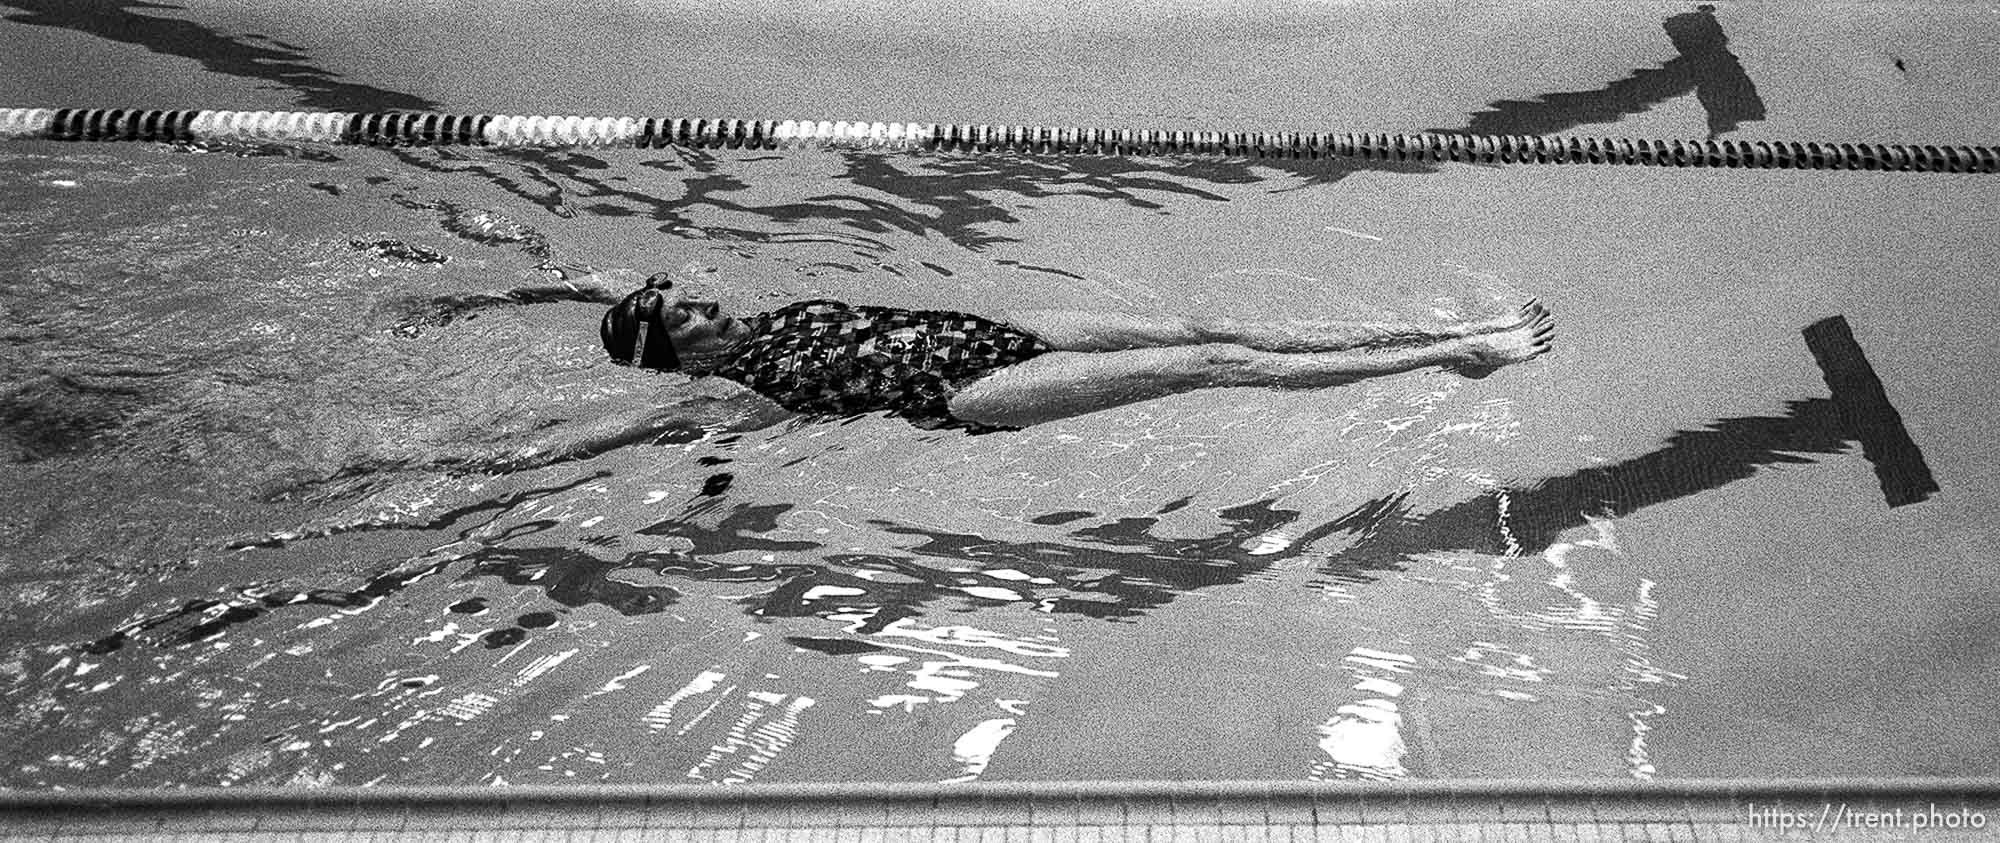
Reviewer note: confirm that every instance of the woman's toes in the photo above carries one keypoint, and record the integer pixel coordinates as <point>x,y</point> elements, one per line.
<point>1530,316</point>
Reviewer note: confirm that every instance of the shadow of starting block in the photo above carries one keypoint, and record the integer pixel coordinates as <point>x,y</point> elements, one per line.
<point>1690,462</point>
<point>1865,414</point>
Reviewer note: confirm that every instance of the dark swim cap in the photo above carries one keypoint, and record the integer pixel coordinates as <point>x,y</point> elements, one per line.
<point>634,331</point>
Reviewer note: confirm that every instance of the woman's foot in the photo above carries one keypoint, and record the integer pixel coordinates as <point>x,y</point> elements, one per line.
<point>1530,334</point>
<point>1527,314</point>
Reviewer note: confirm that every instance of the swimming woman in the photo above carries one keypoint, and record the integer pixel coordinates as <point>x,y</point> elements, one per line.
<point>946,369</point>
<point>956,370</point>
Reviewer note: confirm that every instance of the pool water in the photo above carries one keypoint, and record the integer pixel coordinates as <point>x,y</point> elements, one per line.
<point>244,546</point>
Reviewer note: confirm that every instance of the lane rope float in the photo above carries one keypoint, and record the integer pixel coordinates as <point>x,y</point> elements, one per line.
<point>431,129</point>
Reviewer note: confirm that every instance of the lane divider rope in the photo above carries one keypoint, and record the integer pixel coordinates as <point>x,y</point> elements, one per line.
<point>429,129</point>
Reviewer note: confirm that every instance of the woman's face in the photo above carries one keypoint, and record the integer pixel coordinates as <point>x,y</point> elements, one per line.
<point>698,326</point>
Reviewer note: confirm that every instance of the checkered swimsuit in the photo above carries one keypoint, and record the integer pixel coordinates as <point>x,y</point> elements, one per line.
<point>827,358</point>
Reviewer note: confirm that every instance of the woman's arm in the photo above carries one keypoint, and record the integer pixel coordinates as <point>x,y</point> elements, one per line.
<point>438,311</point>
<point>711,405</point>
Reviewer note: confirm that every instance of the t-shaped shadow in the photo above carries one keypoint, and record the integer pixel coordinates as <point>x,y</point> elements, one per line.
<point>1705,66</point>
<point>1691,462</point>
<point>235,55</point>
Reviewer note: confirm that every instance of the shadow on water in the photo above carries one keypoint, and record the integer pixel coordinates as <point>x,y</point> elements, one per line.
<point>271,61</point>
<point>202,619</point>
<point>944,195</point>
<point>1693,461</point>
<point>1114,571</point>
<point>1705,66</point>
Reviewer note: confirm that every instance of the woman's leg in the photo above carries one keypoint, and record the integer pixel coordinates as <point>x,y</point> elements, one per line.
<point>1069,330</point>
<point>1293,337</point>
<point>1063,384</point>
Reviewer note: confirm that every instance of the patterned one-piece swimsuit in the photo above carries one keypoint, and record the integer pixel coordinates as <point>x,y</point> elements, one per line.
<point>824,357</point>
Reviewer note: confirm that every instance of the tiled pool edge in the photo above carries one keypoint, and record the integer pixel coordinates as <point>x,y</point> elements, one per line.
<point>1859,809</point>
